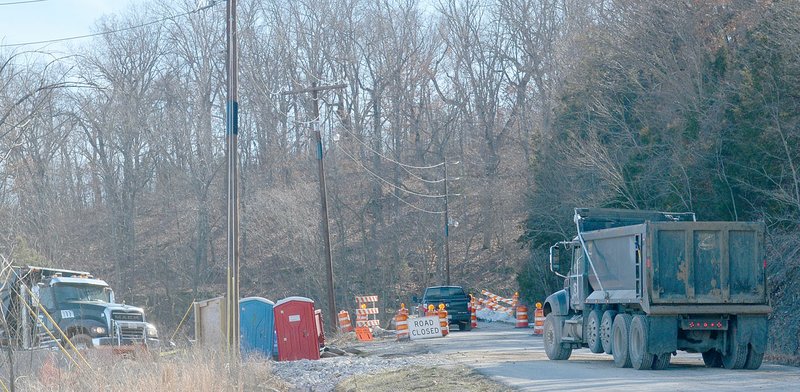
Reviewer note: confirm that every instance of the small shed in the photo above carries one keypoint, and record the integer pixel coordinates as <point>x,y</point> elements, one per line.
<point>296,327</point>
<point>209,323</point>
<point>257,326</point>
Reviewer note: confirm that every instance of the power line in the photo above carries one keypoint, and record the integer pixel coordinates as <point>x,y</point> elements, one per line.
<point>392,185</point>
<point>49,41</point>
<point>392,160</point>
<point>22,2</point>
<point>402,165</point>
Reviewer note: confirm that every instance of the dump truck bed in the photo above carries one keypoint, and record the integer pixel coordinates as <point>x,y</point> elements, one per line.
<point>667,265</point>
<point>706,263</point>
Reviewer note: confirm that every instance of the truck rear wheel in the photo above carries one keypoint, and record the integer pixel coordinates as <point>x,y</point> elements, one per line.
<point>593,332</point>
<point>737,352</point>
<point>606,325</point>
<point>661,361</point>
<point>619,337</point>
<point>637,344</point>
<point>754,359</point>
<point>553,326</point>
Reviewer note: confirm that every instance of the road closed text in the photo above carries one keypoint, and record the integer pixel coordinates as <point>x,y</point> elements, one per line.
<point>424,328</point>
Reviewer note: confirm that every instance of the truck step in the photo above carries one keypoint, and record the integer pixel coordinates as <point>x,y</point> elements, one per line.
<point>573,321</point>
<point>569,339</point>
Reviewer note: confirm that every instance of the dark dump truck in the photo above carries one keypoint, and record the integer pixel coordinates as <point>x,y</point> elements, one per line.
<point>455,300</point>
<point>641,285</point>
<point>35,300</point>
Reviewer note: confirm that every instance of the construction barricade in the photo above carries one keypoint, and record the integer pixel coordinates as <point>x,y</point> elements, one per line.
<point>538,319</point>
<point>522,316</point>
<point>443,321</point>
<point>371,312</point>
<point>401,323</point>
<point>363,331</point>
<point>345,324</point>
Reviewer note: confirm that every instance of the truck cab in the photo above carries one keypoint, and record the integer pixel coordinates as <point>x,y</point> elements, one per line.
<point>85,309</point>
<point>41,303</point>
<point>456,303</point>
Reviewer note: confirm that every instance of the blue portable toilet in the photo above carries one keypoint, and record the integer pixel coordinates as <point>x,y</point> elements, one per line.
<point>257,326</point>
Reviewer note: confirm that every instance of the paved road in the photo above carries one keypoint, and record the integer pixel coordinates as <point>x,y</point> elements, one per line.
<point>516,358</point>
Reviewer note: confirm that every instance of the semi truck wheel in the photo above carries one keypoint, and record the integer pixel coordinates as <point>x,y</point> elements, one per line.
<point>661,361</point>
<point>619,338</point>
<point>712,358</point>
<point>593,332</point>
<point>606,325</point>
<point>553,326</point>
<point>637,344</point>
<point>754,359</point>
<point>737,351</point>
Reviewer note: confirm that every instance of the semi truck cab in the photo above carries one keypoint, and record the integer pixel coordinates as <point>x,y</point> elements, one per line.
<point>85,310</point>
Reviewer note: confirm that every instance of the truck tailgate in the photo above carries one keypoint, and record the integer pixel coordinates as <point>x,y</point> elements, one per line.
<point>706,263</point>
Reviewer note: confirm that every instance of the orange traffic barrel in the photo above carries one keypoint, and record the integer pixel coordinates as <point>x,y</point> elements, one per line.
<point>345,325</point>
<point>443,322</point>
<point>538,319</point>
<point>522,316</point>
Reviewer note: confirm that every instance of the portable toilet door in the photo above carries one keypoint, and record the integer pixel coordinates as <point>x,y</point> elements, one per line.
<point>257,326</point>
<point>296,329</point>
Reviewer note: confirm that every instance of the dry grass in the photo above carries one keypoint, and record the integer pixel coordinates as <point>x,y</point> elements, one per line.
<point>185,371</point>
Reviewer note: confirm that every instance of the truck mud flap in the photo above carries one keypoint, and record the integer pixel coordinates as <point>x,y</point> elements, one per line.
<point>663,334</point>
<point>753,330</point>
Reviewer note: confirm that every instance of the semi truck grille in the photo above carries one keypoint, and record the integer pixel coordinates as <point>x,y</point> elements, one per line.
<point>125,316</point>
<point>132,332</point>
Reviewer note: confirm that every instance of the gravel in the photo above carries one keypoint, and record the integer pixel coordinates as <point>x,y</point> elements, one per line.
<point>384,354</point>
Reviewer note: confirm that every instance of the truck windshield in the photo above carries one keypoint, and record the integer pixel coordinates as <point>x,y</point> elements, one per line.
<point>434,293</point>
<point>77,292</point>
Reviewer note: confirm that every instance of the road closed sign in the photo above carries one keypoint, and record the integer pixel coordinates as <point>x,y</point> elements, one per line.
<point>424,328</point>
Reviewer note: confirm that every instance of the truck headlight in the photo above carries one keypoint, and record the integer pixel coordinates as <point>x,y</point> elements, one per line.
<point>152,332</point>
<point>98,330</point>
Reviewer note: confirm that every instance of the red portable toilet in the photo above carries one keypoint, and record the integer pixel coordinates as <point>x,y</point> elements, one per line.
<point>296,327</point>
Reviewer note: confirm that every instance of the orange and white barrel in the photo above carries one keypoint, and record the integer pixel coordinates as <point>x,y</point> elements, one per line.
<point>401,323</point>
<point>345,325</point>
<point>443,321</point>
<point>473,317</point>
<point>522,316</point>
<point>538,319</point>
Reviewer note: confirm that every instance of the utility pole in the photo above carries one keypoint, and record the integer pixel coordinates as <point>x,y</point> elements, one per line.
<point>326,234</point>
<point>446,228</point>
<point>232,158</point>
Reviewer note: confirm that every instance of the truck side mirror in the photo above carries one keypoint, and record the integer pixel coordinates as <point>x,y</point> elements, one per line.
<point>414,299</point>
<point>560,258</point>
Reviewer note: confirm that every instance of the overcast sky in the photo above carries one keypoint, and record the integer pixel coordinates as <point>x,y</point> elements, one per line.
<point>52,19</point>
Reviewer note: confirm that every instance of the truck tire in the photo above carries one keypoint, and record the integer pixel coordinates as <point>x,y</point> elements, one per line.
<point>737,351</point>
<point>637,344</point>
<point>81,341</point>
<point>661,361</point>
<point>620,333</point>
<point>754,359</point>
<point>465,326</point>
<point>553,326</point>
<point>712,359</point>
<point>592,333</point>
<point>606,324</point>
